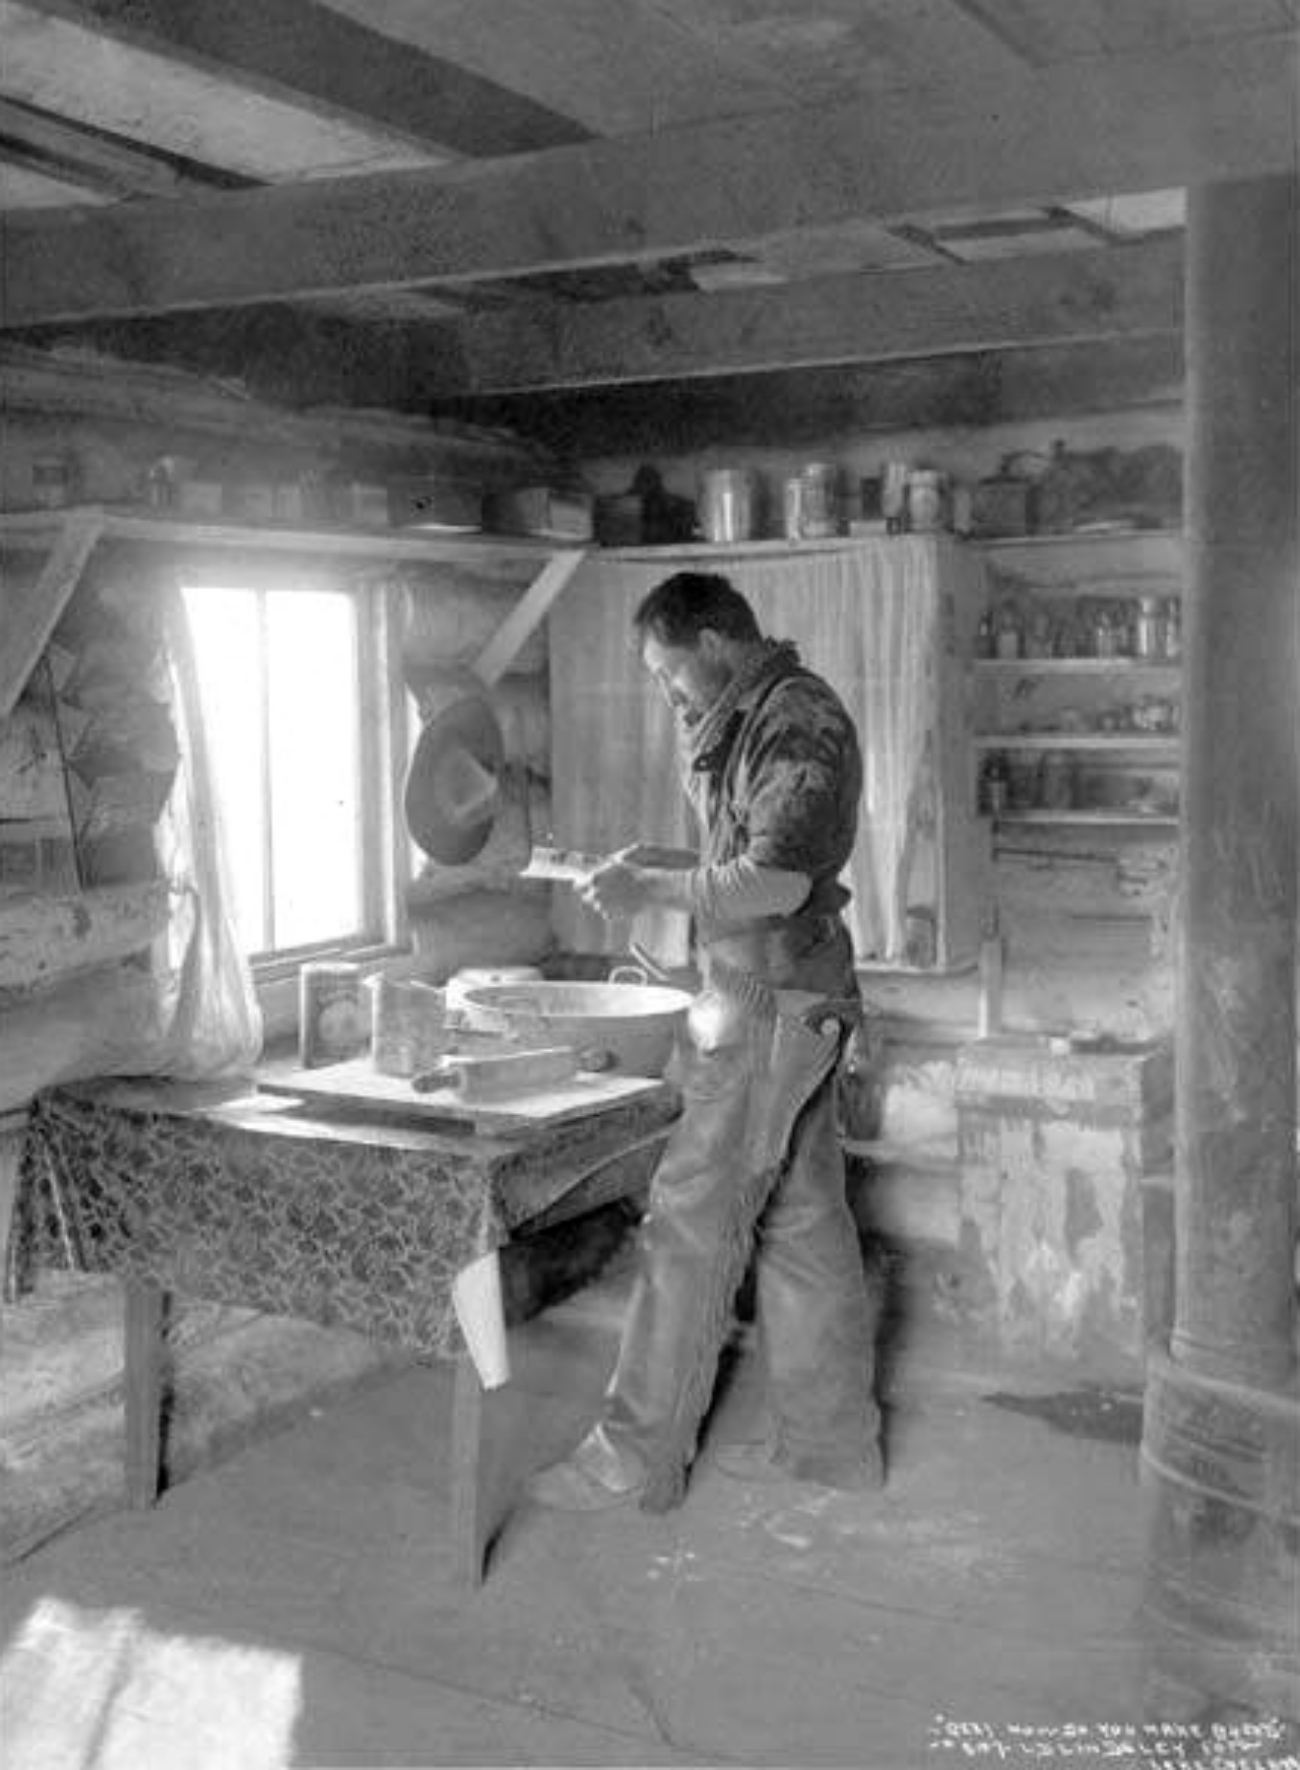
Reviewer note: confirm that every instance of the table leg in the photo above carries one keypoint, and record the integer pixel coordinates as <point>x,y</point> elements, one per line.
<point>480,1313</point>
<point>144,1302</point>
<point>469,1524</point>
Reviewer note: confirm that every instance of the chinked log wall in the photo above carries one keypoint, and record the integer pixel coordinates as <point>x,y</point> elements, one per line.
<point>232,1372</point>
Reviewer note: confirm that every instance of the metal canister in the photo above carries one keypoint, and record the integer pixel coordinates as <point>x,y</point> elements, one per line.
<point>925,494</point>
<point>818,499</point>
<point>728,504</point>
<point>331,1023</point>
<point>1149,628</point>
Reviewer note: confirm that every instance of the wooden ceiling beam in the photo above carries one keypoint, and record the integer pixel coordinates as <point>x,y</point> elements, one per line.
<point>87,156</point>
<point>313,56</point>
<point>1069,297</point>
<point>815,408</point>
<point>1222,110</point>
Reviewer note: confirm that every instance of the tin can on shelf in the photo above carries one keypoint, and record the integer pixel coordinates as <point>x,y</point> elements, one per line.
<point>925,501</point>
<point>811,506</point>
<point>332,1025</point>
<point>1056,781</point>
<point>728,504</point>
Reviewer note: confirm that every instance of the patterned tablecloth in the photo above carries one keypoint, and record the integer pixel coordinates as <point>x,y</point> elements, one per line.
<point>237,1197</point>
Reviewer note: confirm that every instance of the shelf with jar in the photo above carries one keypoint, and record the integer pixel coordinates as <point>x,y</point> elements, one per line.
<point>1075,680</point>
<point>1049,781</point>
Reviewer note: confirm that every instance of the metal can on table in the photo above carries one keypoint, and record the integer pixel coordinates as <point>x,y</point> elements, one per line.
<point>331,1024</point>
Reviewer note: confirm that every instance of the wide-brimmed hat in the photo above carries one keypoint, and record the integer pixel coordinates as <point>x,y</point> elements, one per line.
<point>453,785</point>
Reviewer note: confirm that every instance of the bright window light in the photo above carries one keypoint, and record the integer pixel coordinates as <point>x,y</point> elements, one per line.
<point>279,676</point>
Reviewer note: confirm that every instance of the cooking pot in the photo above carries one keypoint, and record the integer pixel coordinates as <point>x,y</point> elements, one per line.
<point>634,1023</point>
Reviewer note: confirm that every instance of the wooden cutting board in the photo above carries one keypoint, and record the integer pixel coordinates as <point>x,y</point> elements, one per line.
<point>356,1084</point>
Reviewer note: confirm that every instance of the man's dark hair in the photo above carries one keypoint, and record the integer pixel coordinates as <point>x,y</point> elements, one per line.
<point>677,611</point>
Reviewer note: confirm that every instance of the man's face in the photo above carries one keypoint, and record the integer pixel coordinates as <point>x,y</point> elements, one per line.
<point>690,677</point>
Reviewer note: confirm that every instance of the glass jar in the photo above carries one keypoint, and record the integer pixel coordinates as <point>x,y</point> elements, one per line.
<point>1056,781</point>
<point>1149,628</point>
<point>1007,634</point>
<point>994,786</point>
<point>924,501</point>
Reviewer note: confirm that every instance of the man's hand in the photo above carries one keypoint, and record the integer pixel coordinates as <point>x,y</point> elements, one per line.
<point>617,890</point>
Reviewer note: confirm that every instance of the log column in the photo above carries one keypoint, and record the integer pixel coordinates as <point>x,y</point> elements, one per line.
<point>1236,968</point>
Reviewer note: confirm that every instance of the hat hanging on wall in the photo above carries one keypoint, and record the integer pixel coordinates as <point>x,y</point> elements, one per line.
<point>454,784</point>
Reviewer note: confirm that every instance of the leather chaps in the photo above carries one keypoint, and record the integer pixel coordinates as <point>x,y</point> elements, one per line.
<point>753,1168</point>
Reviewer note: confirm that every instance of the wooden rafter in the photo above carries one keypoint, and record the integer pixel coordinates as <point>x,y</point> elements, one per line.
<point>1071,297</point>
<point>314,56</point>
<point>86,156</point>
<point>1219,111</point>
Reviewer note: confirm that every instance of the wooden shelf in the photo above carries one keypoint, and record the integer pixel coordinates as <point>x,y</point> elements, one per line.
<point>1077,666</point>
<point>761,549</point>
<point>1076,740</point>
<point>1125,819</point>
<point>68,537</point>
<point>1116,563</point>
<point>34,528</point>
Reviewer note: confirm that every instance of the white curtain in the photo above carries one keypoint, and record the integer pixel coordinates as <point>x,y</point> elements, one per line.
<point>215,1025</point>
<point>864,616</point>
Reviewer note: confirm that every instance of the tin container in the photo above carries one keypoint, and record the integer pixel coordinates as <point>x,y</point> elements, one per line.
<point>1149,632</point>
<point>408,1025</point>
<point>925,501</point>
<point>812,503</point>
<point>332,1024</point>
<point>728,505</point>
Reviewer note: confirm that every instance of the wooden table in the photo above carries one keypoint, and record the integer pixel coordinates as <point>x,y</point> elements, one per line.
<point>236,1197</point>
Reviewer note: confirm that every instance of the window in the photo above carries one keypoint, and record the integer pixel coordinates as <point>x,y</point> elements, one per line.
<point>295,724</point>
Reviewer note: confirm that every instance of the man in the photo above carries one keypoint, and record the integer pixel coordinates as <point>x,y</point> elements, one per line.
<point>753,1168</point>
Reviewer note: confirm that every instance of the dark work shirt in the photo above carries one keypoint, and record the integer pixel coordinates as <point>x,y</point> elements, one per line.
<point>783,784</point>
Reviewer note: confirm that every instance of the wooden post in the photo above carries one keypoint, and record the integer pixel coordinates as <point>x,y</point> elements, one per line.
<point>1236,966</point>
<point>1221,1418</point>
<point>144,1303</point>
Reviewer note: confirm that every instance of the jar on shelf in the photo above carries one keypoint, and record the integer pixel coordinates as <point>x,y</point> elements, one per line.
<point>994,785</point>
<point>1040,636</point>
<point>925,500</point>
<point>1007,635</point>
<point>1173,635</point>
<point>985,645</point>
<point>1104,642</point>
<point>1056,781</point>
<point>1022,782</point>
<point>1149,628</point>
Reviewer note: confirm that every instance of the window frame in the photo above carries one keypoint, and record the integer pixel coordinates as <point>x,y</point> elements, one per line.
<point>383,730</point>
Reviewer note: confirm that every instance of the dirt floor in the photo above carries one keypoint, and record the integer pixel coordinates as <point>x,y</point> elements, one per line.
<point>296,1606</point>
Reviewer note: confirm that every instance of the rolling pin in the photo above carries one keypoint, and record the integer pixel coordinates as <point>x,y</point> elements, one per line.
<point>499,1077</point>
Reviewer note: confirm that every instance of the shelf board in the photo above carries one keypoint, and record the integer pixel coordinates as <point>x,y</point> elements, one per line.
<point>1076,740</point>
<point>1076,666</point>
<point>765,549</point>
<point>1102,557</point>
<point>1127,819</point>
<point>35,527</point>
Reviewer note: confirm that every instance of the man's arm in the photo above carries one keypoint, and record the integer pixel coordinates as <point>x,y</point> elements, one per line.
<point>735,891</point>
